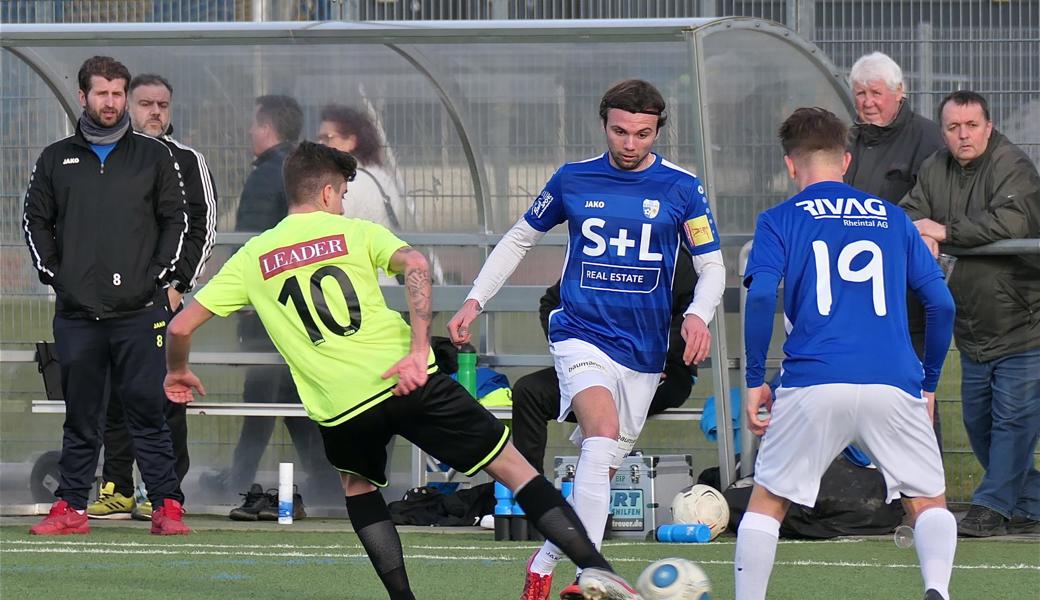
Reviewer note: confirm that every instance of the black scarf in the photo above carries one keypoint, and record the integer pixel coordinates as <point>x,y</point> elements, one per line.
<point>95,133</point>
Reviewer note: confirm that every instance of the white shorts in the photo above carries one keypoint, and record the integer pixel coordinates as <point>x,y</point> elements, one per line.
<point>810,426</point>
<point>580,365</point>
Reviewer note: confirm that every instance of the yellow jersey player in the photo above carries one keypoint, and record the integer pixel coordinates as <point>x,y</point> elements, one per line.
<point>364,375</point>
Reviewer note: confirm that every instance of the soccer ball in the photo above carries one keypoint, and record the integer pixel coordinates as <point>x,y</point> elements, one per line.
<point>673,579</point>
<point>701,504</point>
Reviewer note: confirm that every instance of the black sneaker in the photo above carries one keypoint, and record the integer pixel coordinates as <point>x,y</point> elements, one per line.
<point>933,595</point>
<point>982,522</point>
<point>1021,525</point>
<point>270,512</point>
<point>255,501</point>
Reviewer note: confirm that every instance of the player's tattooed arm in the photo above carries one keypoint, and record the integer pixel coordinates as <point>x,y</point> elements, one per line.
<point>419,292</point>
<point>411,371</point>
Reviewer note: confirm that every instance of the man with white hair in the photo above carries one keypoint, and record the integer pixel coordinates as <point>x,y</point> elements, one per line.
<point>888,143</point>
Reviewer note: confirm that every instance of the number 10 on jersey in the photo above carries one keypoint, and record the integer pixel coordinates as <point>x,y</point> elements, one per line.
<point>292,292</point>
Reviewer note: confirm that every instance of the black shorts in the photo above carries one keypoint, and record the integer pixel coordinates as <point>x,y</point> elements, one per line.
<point>441,417</point>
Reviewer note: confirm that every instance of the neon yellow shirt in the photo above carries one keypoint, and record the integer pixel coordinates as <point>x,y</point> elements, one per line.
<point>312,281</point>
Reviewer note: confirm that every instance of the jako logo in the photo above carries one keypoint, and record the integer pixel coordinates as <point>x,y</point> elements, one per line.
<point>71,161</point>
<point>595,204</point>
<point>837,208</point>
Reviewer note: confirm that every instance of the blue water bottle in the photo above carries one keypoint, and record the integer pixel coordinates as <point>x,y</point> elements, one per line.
<point>467,374</point>
<point>566,488</point>
<point>503,511</point>
<point>683,533</point>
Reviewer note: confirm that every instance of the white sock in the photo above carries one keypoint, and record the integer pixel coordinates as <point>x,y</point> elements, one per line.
<point>935,537</point>
<point>756,550</point>
<point>591,498</point>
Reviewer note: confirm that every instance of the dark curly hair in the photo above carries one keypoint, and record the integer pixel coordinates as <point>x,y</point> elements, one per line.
<point>352,122</point>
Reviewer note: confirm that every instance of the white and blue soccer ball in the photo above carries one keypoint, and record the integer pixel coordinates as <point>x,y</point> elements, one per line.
<point>701,504</point>
<point>674,579</point>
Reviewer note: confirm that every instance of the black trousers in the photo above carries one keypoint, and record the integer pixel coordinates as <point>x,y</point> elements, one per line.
<point>131,351</point>
<point>119,446</point>
<point>536,401</point>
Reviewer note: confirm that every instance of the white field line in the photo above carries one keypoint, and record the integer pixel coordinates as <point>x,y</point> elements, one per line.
<point>496,547</point>
<point>173,550</point>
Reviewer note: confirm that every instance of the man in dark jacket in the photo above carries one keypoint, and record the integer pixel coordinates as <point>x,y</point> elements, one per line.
<point>888,143</point>
<point>111,309</point>
<point>982,189</point>
<point>274,131</point>
<point>536,396</point>
<point>150,109</point>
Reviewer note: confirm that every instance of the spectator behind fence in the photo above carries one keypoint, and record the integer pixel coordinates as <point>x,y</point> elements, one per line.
<point>275,128</point>
<point>536,396</point>
<point>150,113</point>
<point>111,307</point>
<point>980,189</point>
<point>376,194</point>
<point>888,143</point>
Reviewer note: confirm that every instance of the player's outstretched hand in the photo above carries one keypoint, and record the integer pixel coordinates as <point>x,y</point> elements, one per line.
<point>698,340</point>
<point>758,398</point>
<point>410,372</point>
<point>458,326</point>
<point>178,386</point>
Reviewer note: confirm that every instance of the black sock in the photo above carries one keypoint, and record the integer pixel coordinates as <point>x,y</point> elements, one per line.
<point>371,520</point>
<point>549,512</point>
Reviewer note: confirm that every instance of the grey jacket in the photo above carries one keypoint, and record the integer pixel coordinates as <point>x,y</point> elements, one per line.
<point>886,160</point>
<point>995,197</point>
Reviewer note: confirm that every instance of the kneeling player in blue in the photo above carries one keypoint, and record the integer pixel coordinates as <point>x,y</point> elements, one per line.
<point>363,374</point>
<point>627,211</point>
<point>849,372</point>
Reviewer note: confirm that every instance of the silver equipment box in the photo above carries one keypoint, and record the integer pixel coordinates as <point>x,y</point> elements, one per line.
<point>641,492</point>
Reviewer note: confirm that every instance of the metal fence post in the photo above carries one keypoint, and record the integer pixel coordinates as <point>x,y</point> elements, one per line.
<point>926,104</point>
<point>748,441</point>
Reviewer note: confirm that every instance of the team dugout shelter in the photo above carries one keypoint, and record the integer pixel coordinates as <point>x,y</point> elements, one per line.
<point>475,117</point>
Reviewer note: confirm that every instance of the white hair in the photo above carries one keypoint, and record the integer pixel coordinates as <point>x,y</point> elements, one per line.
<point>876,66</point>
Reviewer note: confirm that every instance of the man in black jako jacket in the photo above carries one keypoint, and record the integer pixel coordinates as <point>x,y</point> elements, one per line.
<point>105,222</point>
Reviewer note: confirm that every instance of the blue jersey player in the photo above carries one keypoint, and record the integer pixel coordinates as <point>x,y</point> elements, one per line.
<point>849,372</point>
<point>627,211</point>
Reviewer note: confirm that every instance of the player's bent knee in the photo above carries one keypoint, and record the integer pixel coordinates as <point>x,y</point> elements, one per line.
<point>918,505</point>
<point>355,486</point>
<point>511,468</point>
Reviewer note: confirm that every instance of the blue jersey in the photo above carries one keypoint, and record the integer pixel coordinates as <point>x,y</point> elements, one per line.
<point>624,230</point>
<point>847,260</point>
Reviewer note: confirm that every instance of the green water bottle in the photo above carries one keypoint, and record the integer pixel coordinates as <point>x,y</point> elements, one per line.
<point>468,369</point>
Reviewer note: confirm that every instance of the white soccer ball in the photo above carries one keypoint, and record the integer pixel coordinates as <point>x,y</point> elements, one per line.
<point>701,504</point>
<point>674,579</point>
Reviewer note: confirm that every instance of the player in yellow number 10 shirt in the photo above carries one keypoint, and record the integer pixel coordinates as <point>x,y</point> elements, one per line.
<point>363,374</point>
